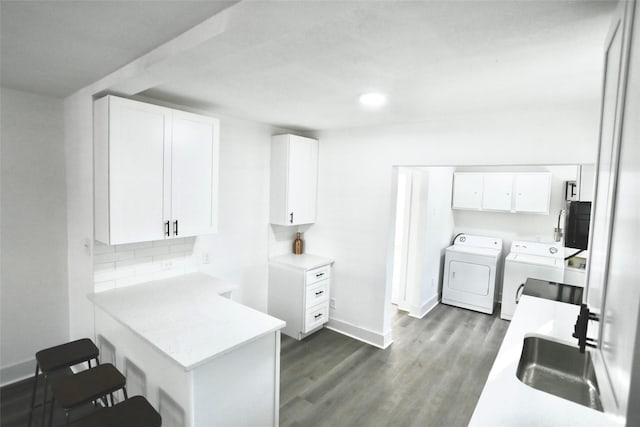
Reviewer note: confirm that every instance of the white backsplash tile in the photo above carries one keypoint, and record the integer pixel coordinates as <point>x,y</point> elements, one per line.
<point>130,264</point>
<point>113,256</point>
<point>156,250</point>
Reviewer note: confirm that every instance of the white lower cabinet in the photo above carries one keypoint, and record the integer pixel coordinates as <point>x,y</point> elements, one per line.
<point>299,292</point>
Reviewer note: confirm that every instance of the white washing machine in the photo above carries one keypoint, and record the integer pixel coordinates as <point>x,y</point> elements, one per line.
<point>543,261</point>
<point>470,272</point>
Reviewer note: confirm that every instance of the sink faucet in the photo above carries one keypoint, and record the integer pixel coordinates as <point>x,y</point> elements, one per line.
<point>580,328</point>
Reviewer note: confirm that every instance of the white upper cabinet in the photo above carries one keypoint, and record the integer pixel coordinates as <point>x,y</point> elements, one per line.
<point>503,192</point>
<point>496,191</point>
<point>467,191</point>
<point>155,172</point>
<point>194,177</point>
<point>532,192</point>
<point>294,180</point>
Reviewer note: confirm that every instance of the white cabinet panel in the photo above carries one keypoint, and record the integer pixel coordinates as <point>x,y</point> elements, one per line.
<point>194,154</point>
<point>496,191</point>
<point>317,293</point>
<point>294,180</point>
<point>316,316</point>
<point>467,191</point>
<point>155,172</point>
<point>137,134</point>
<point>532,192</point>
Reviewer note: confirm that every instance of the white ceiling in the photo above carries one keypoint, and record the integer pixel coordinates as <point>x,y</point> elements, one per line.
<point>57,47</point>
<point>303,64</point>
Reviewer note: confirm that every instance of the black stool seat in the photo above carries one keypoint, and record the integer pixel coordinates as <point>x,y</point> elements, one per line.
<point>56,359</point>
<point>133,412</point>
<point>65,355</point>
<point>87,386</point>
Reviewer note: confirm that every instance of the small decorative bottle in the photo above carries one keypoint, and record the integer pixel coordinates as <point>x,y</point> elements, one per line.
<point>298,245</point>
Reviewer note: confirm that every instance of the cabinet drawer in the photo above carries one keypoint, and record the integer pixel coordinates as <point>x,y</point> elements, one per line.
<point>318,274</point>
<point>316,316</point>
<point>317,293</point>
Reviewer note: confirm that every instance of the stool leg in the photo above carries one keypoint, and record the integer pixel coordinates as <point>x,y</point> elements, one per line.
<point>53,401</point>
<point>33,396</point>
<point>67,417</point>
<point>124,391</point>
<point>44,400</point>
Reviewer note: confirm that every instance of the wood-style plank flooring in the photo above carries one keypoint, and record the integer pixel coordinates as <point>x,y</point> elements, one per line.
<point>432,375</point>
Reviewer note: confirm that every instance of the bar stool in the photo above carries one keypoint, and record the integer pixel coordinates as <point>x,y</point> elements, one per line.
<point>133,412</point>
<point>86,386</point>
<point>57,358</point>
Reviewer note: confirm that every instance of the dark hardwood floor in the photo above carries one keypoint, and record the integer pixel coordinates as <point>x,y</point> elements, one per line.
<point>432,375</point>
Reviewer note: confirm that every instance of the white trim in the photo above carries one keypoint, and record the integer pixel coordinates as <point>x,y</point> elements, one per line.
<point>427,306</point>
<point>17,372</point>
<point>365,335</point>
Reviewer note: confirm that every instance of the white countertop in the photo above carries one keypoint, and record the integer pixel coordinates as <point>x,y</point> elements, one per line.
<point>507,402</point>
<point>185,318</point>
<point>302,261</point>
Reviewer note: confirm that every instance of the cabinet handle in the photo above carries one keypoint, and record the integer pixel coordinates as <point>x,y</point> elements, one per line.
<point>319,274</point>
<point>319,293</point>
<point>175,227</point>
<point>291,219</point>
<point>166,229</point>
<point>317,316</point>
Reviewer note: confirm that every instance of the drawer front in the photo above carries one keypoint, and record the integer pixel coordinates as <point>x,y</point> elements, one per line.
<point>317,293</point>
<point>316,316</point>
<point>318,274</point>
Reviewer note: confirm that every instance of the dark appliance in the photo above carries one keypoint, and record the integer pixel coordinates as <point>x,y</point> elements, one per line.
<point>577,227</point>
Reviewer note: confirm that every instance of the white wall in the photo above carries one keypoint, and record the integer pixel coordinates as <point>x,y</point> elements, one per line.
<point>33,231</point>
<point>354,190</point>
<point>440,230</point>
<point>429,232</point>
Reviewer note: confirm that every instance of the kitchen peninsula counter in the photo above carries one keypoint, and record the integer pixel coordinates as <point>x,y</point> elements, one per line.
<point>215,360</point>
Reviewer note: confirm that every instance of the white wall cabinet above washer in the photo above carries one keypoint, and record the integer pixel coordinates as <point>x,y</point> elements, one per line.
<point>532,192</point>
<point>156,172</point>
<point>467,190</point>
<point>294,180</point>
<point>502,192</point>
<point>497,191</point>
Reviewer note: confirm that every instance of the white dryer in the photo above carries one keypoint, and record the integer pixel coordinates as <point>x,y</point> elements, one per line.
<point>543,261</point>
<point>470,272</point>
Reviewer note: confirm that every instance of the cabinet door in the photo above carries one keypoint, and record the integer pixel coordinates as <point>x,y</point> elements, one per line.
<point>302,180</point>
<point>496,191</point>
<point>532,192</point>
<point>137,136</point>
<point>194,175</point>
<point>467,191</point>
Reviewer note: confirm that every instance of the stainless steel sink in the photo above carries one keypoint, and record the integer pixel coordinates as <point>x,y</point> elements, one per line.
<point>560,370</point>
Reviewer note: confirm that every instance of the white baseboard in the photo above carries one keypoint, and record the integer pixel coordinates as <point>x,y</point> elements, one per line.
<point>365,335</point>
<point>425,308</point>
<point>19,371</point>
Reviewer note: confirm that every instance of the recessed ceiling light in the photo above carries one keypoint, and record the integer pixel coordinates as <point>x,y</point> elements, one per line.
<point>373,99</point>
